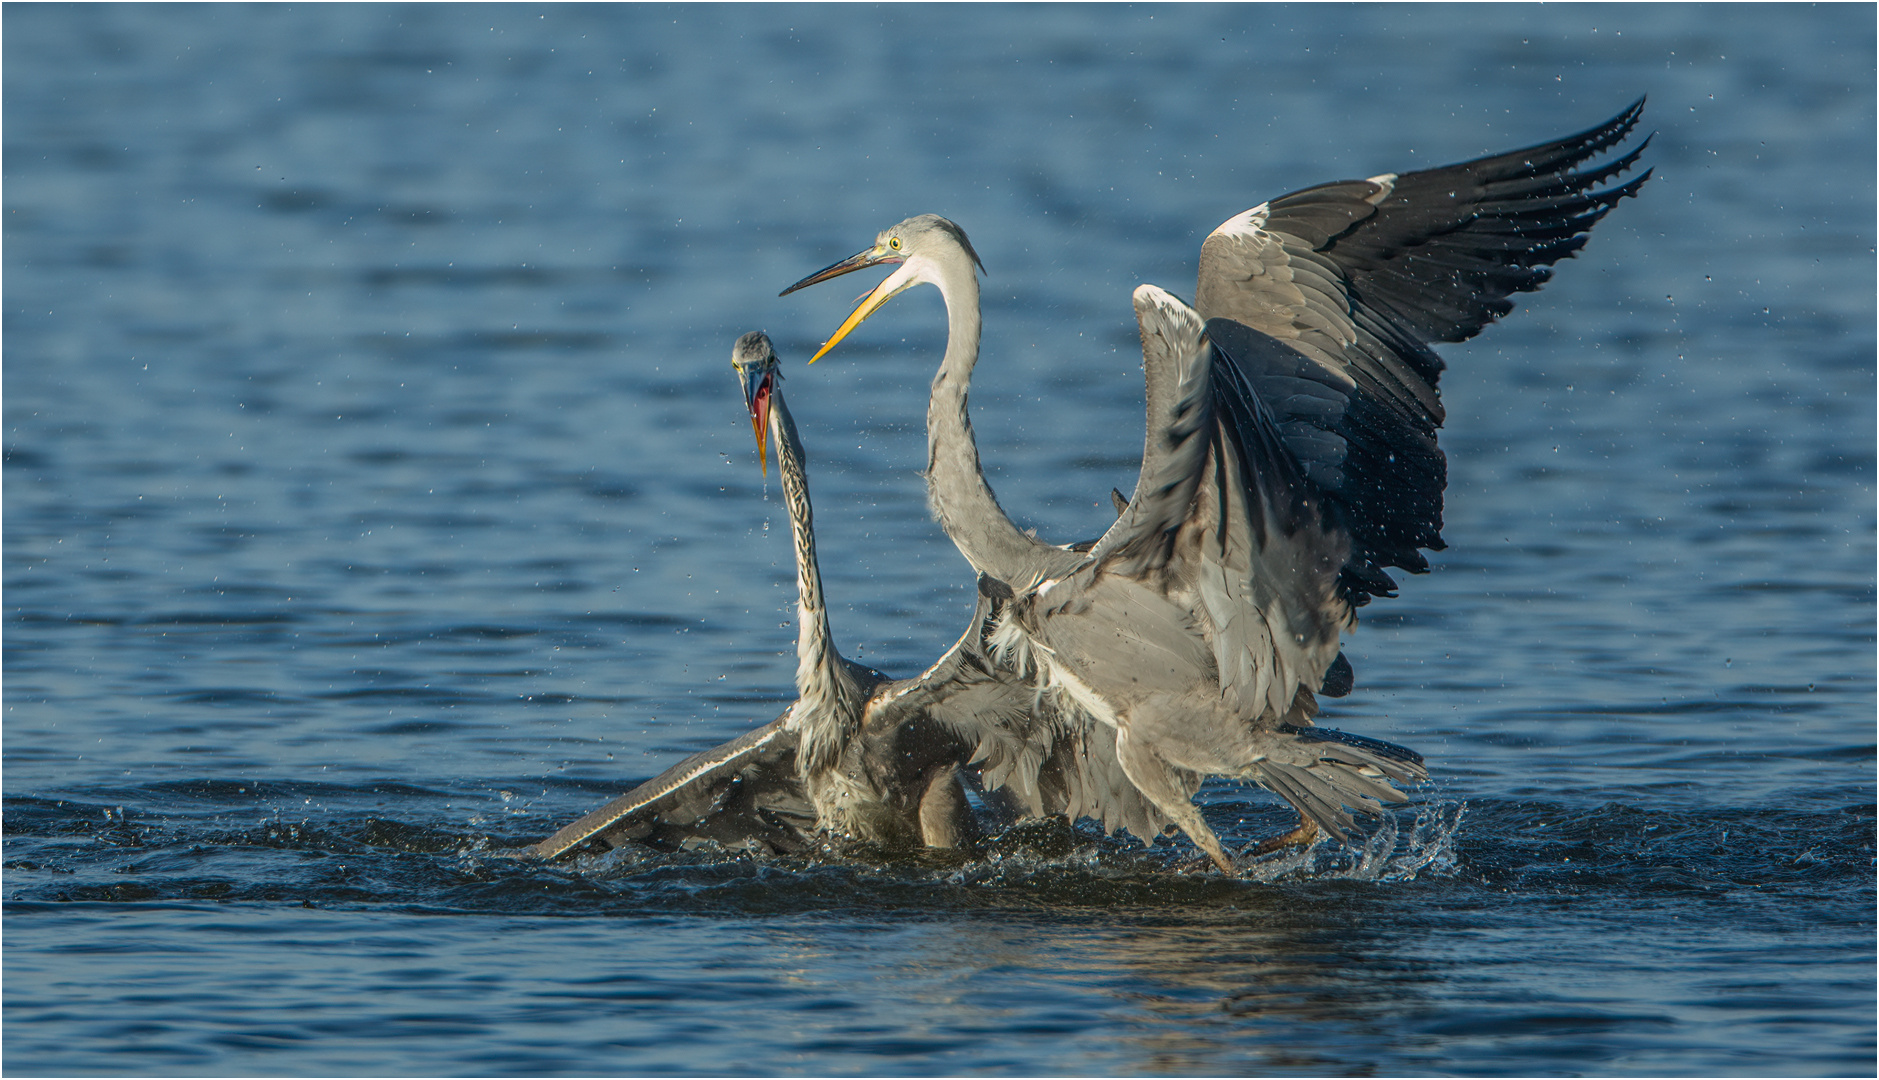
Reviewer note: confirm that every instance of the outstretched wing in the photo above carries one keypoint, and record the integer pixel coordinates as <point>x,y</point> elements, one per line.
<point>1223,521</point>
<point>1177,370</point>
<point>986,709</point>
<point>1211,612</point>
<point>743,792</point>
<point>1358,277</point>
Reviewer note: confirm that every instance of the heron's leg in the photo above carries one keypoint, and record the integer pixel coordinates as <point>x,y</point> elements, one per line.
<point>1304,836</point>
<point>1156,780</point>
<point>946,819</point>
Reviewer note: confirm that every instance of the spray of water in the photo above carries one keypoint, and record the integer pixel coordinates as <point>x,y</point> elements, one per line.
<point>1386,853</point>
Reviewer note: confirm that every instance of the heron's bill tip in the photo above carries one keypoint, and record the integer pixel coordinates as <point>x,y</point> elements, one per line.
<point>759,423</point>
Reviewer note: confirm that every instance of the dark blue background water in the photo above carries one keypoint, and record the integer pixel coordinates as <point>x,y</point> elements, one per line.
<point>377,493</point>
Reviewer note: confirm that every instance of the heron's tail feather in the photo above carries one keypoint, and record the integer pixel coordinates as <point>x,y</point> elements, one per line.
<point>1327,774</point>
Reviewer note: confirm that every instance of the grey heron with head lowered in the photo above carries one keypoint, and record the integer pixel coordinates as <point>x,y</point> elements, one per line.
<point>1290,458</point>
<point>860,755</point>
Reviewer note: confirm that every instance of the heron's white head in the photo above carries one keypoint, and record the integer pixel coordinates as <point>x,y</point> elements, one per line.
<point>929,249</point>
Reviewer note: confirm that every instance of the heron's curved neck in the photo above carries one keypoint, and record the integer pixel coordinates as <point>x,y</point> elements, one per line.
<point>827,710</point>
<point>955,482</point>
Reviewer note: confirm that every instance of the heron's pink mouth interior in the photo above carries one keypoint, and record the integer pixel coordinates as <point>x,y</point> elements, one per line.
<point>760,404</point>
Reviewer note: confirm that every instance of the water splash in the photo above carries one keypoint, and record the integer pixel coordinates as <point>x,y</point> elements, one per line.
<point>1384,854</point>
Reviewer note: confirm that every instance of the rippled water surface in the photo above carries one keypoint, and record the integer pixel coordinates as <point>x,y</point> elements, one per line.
<point>377,495</point>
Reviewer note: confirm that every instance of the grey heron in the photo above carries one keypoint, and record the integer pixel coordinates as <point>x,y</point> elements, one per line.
<point>871,756</point>
<point>1290,458</point>
<point>858,754</point>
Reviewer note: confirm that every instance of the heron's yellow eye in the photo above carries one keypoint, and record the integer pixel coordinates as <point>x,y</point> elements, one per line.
<point>894,242</point>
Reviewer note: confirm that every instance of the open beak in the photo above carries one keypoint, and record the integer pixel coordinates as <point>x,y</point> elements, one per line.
<point>758,384</point>
<point>874,256</point>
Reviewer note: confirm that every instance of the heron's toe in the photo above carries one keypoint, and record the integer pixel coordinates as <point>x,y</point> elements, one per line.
<point>1304,836</point>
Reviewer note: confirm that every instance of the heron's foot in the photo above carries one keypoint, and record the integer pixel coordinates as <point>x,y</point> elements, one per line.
<point>1209,845</point>
<point>1216,856</point>
<point>1304,836</point>
<point>1205,863</point>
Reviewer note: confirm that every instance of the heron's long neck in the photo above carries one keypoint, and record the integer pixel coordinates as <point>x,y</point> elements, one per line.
<point>827,710</point>
<point>961,499</point>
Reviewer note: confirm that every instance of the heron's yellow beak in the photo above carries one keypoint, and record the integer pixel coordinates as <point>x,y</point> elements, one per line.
<point>759,384</point>
<point>874,256</point>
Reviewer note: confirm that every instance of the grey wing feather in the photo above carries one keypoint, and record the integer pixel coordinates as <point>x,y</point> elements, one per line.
<point>687,792</point>
<point>991,711</point>
<point>1177,372</point>
<point>1175,401</point>
<point>1273,551</point>
<point>1223,515</point>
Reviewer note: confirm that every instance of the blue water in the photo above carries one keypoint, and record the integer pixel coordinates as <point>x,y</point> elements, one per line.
<point>378,494</point>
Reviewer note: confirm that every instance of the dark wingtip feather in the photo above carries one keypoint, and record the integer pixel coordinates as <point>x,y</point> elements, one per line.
<point>1558,154</point>
<point>1339,678</point>
<point>1442,257</point>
